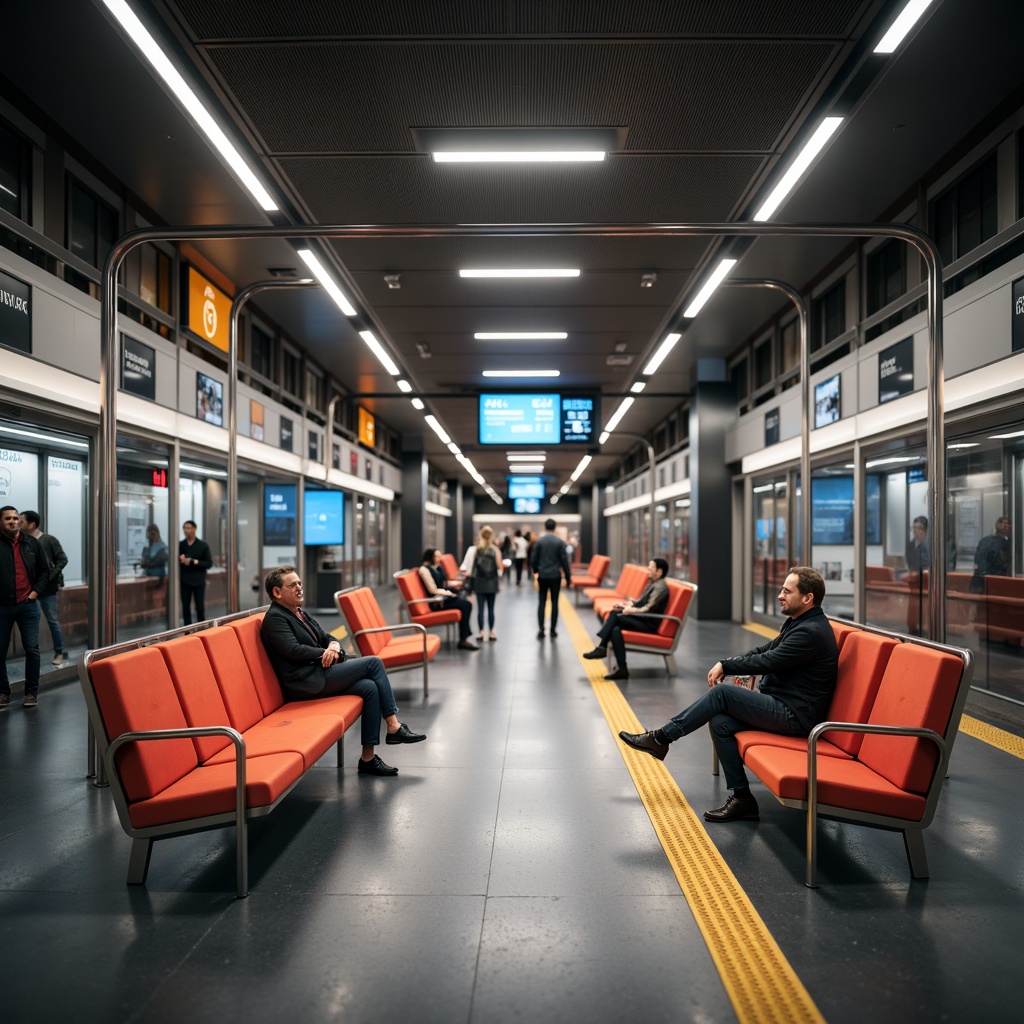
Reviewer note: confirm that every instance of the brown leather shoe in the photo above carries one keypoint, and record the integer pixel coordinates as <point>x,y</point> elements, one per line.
<point>735,809</point>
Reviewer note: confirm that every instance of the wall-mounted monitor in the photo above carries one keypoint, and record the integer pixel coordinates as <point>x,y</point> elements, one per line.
<point>209,400</point>
<point>827,408</point>
<point>526,487</point>
<point>525,506</point>
<point>832,510</point>
<point>323,518</point>
<point>537,418</point>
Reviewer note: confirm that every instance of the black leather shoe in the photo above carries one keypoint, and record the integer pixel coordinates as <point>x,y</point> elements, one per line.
<point>404,735</point>
<point>735,809</point>
<point>554,633</point>
<point>467,645</point>
<point>540,634</point>
<point>376,767</point>
<point>619,673</point>
<point>646,742</point>
<point>597,652</point>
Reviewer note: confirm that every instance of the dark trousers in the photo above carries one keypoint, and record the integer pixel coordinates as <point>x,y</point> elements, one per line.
<point>188,592</point>
<point>26,615</point>
<point>366,678</point>
<point>465,610</point>
<point>611,632</point>
<point>730,709</point>
<point>519,563</point>
<point>485,602</point>
<point>545,587</point>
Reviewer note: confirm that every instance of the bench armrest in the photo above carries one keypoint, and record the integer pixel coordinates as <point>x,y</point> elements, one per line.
<point>655,615</point>
<point>431,599</point>
<point>396,629</point>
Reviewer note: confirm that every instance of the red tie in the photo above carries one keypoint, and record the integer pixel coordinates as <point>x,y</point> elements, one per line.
<point>302,619</point>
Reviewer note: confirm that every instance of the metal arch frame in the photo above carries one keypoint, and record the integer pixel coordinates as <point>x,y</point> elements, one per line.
<point>104,568</point>
<point>653,464</point>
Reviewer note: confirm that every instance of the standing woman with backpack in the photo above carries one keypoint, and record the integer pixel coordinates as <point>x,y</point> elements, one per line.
<point>483,564</point>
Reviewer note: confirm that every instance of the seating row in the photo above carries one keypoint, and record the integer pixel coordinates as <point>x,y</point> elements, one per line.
<point>880,758</point>
<point>195,733</point>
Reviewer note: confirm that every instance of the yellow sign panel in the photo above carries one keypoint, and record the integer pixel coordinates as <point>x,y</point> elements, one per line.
<point>209,310</point>
<point>367,431</point>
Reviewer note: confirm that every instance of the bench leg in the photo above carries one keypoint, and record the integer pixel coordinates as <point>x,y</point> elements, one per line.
<point>425,680</point>
<point>913,842</point>
<point>340,745</point>
<point>670,664</point>
<point>714,754</point>
<point>138,862</point>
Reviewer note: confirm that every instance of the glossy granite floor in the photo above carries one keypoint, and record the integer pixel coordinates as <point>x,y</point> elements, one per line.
<point>509,873</point>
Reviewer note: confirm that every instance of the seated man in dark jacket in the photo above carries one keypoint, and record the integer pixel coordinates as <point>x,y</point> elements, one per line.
<point>799,675</point>
<point>631,615</point>
<point>310,663</point>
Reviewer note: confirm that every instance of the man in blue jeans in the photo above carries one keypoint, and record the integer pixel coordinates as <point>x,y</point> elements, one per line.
<point>799,676</point>
<point>24,572</point>
<point>57,559</point>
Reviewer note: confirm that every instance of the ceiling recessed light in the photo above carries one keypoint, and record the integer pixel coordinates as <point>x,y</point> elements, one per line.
<point>518,156</point>
<point>378,350</point>
<point>520,335</point>
<point>521,373</point>
<point>417,403</point>
<point>708,290</point>
<point>902,25</point>
<point>815,144</point>
<point>527,457</point>
<point>327,282</point>
<point>523,272</point>
<point>638,387</point>
<point>527,468</point>
<point>404,385</point>
<point>663,350</point>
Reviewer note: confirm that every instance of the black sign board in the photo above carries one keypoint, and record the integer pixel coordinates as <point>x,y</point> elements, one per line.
<point>138,368</point>
<point>335,455</point>
<point>771,427</point>
<point>1017,317</point>
<point>896,370</point>
<point>287,433</point>
<point>314,446</point>
<point>15,313</point>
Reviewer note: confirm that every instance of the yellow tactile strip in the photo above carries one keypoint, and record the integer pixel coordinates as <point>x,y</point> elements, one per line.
<point>992,735</point>
<point>758,979</point>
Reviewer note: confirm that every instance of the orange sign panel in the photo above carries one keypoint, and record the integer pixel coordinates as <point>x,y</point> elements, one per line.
<point>367,428</point>
<point>209,310</point>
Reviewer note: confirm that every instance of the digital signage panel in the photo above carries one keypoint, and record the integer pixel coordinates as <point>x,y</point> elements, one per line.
<point>827,406</point>
<point>578,420</point>
<point>526,487</point>
<point>323,518</point>
<point>525,506</point>
<point>520,418</point>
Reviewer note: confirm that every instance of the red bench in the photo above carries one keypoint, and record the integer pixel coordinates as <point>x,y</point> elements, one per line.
<point>422,607</point>
<point>665,639</point>
<point>591,576</point>
<point>452,571</point>
<point>195,733</point>
<point>880,758</point>
<point>373,636</point>
<point>628,587</point>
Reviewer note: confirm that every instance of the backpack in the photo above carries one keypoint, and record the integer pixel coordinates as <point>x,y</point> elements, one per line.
<point>486,565</point>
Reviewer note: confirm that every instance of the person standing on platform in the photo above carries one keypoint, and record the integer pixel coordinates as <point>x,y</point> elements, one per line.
<point>483,564</point>
<point>799,676</point>
<point>24,572</point>
<point>56,559</point>
<point>992,555</point>
<point>549,561</point>
<point>436,584</point>
<point>310,663</point>
<point>155,556</point>
<point>194,559</point>
<point>519,555</point>
<point>919,550</point>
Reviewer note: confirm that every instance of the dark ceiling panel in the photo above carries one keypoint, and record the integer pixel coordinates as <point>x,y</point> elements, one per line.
<point>678,96</point>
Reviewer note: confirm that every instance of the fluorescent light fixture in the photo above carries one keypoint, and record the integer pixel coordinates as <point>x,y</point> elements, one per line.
<point>601,440</point>
<point>523,272</point>
<point>1003,437</point>
<point>532,457</point>
<point>891,461</point>
<point>417,403</point>
<point>638,387</point>
<point>521,373</point>
<point>404,385</point>
<point>437,429</point>
<point>814,146</point>
<point>378,350</point>
<point>553,500</point>
<point>15,194</point>
<point>327,282</point>
<point>528,467</point>
<point>618,414</point>
<point>763,488</point>
<point>150,49</point>
<point>205,470</point>
<point>565,489</point>
<point>578,471</point>
<point>521,336</point>
<point>663,350</point>
<point>49,437</point>
<point>518,156</point>
<point>454,448</point>
<point>710,285</point>
<point>902,25</point>
<point>958,447</point>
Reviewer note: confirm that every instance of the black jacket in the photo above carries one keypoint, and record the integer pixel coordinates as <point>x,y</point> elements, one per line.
<point>549,559</point>
<point>799,666</point>
<point>293,652</point>
<point>33,556</point>
<point>57,559</point>
<point>195,575</point>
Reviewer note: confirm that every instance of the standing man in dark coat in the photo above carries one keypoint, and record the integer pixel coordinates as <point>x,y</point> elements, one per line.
<point>309,663</point>
<point>194,558</point>
<point>24,572</point>
<point>799,676</point>
<point>549,561</point>
<point>56,559</point>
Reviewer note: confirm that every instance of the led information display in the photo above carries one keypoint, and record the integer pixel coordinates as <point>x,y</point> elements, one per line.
<point>526,487</point>
<point>323,518</point>
<point>537,419</point>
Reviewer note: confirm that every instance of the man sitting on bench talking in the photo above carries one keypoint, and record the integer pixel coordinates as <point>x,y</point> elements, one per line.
<point>799,676</point>
<point>310,663</point>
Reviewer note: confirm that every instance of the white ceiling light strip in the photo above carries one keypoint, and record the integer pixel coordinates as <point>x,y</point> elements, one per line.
<point>578,471</point>
<point>326,281</point>
<point>520,335</point>
<point>906,20</point>
<point>617,417</point>
<point>438,429</point>
<point>814,146</point>
<point>710,286</point>
<point>521,373</point>
<point>523,272</point>
<point>663,350</point>
<point>203,119</point>
<point>378,350</point>
<point>517,156</point>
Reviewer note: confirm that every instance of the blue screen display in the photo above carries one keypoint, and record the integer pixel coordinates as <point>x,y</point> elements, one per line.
<point>525,506</point>
<point>832,510</point>
<point>519,419</point>
<point>526,487</point>
<point>577,420</point>
<point>323,518</point>
<point>827,408</point>
<point>279,514</point>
